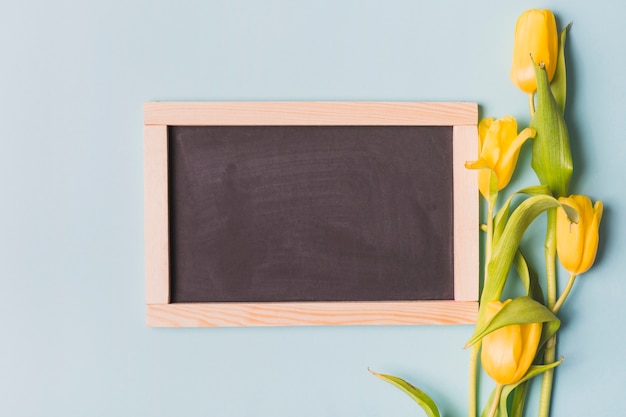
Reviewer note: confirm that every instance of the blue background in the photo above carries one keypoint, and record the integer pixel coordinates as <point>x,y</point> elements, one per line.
<point>74,77</point>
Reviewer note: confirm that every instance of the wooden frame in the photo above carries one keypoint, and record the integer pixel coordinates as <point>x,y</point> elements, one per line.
<point>161,313</point>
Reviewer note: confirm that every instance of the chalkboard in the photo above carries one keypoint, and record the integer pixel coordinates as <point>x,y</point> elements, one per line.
<point>310,213</point>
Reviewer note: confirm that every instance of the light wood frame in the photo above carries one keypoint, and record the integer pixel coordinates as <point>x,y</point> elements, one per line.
<point>161,313</point>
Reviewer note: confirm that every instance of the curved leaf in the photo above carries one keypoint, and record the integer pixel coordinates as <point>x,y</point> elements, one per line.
<point>559,81</point>
<point>508,389</point>
<point>503,214</point>
<point>506,248</point>
<point>518,400</point>
<point>549,329</point>
<point>519,393</point>
<point>522,310</point>
<point>487,408</point>
<point>419,396</point>
<point>528,276</point>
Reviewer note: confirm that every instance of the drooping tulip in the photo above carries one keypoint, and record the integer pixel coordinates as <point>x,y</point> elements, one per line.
<point>577,242</point>
<point>508,352</point>
<point>499,145</point>
<point>536,39</point>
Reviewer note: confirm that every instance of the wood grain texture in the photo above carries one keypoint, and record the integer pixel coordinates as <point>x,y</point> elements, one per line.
<point>466,240</point>
<point>160,313</point>
<point>310,113</point>
<point>311,314</point>
<point>156,214</point>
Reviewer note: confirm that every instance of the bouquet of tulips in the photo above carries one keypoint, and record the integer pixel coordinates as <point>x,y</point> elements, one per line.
<point>516,338</point>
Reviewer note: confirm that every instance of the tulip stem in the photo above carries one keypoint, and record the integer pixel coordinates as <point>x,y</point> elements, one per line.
<point>531,104</point>
<point>550,247</point>
<point>473,370</point>
<point>473,374</point>
<point>496,400</point>
<point>565,293</point>
<point>489,238</point>
<point>550,352</point>
<point>548,377</point>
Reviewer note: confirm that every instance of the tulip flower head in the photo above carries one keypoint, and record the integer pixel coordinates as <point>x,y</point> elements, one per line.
<point>577,242</point>
<point>536,39</point>
<point>508,352</point>
<point>499,145</point>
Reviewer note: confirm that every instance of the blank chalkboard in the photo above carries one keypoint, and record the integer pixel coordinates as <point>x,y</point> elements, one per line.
<point>310,213</point>
<point>279,217</point>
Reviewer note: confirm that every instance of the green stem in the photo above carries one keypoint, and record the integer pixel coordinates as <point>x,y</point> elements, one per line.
<point>473,370</point>
<point>548,377</point>
<point>550,248</point>
<point>565,293</point>
<point>550,352</point>
<point>489,238</point>
<point>496,400</point>
<point>531,104</point>
<point>473,375</point>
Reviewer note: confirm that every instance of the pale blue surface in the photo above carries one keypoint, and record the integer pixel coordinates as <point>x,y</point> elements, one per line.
<point>74,75</point>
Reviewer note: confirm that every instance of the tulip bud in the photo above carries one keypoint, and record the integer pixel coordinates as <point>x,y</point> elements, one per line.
<point>535,36</point>
<point>499,145</point>
<point>508,352</point>
<point>551,155</point>
<point>577,242</point>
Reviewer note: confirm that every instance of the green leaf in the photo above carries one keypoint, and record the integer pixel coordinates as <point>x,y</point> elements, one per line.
<point>519,398</point>
<point>528,276</point>
<point>551,154</point>
<point>519,393</point>
<point>485,412</point>
<point>419,396</point>
<point>559,81</point>
<point>533,371</point>
<point>506,248</point>
<point>493,188</point>
<point>503,214</point>
<point>522,310</point>
<point>572,212</point>
<point>549,329</point>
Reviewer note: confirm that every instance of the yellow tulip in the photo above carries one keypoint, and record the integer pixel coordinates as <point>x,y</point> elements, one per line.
<point>535,36</point>
<point>507,353</point>
<point>499,145</point>
<point>577,242</point>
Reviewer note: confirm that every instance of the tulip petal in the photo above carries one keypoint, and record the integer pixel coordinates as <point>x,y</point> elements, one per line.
<point>500,353</point>
<point>570,236</point>
<point>511,337</point>
<point>506,164</point>
<point>577,242</point>
<point>531,335</point>
<point>483,127</point>
<point>584,208</point>
<point>535,36</point>
<point>598,209</point>
<point>485,175</point>
<point>507,131</point>
<point>522,310</point>
<point>490,149</point>
<point>591,239</point>
<point>570,211</point>
<point>480,164</point>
